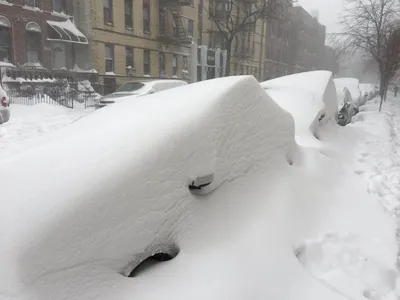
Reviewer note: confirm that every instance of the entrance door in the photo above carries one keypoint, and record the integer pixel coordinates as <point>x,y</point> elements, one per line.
<point>59,61</point>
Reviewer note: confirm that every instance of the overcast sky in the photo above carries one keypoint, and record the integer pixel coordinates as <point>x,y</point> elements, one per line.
<point>329,11</point>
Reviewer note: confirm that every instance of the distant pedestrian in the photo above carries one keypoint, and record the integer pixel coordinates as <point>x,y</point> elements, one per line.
<point>396,89</point>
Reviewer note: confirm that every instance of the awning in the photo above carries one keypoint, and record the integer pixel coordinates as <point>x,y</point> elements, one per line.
<point>66,32</point>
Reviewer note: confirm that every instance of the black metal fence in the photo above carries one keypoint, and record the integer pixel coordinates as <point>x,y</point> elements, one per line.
<point>56,93</point>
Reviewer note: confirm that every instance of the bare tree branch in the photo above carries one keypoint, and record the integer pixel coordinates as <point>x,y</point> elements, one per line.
<point>372,26</point>
<point>240,17</point>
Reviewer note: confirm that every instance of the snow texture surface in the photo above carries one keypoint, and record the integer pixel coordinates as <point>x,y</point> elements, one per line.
<point>110,189</point>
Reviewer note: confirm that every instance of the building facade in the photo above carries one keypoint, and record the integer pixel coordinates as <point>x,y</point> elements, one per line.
<point>277,43</point>
<point>41,34</point>
<point>152,38</point>
<point>247,51</point>
<point>143,39</point>
<point>306,41</point>
<point>329,60</point>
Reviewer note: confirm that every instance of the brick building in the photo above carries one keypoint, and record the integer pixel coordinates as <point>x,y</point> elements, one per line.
<point>306,41</point>
<point>277,43</point>
<point>41,34</point>
<point>329,61</point>
<point>131,40</point>
<point>151,38</point>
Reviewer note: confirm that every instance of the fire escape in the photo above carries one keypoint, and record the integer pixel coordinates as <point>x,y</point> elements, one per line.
<point>177,33</point>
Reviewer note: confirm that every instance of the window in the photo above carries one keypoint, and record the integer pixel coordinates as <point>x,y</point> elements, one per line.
<point>161,64</point>
<point>161,21</point>
<point>59,6</point>
<point>108,12</point>
<point>236,46</point>
<point>185,65</point>
<point>109,58</point>
<point>33,42</point>
<point>128,14</point>
<point>221,9</point>
<point>219,40</point>
<point>175,65</point>
<point>32,3</point>
<point>190,27</point>
<point>129,63</point>
<point>146,16</point>
<point>146,62</point>
<point>5,39</point>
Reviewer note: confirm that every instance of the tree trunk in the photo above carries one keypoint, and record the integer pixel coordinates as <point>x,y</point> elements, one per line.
<point>381,89</point>
<point>228,57</point>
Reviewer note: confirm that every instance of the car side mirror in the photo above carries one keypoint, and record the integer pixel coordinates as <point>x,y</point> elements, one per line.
<point>152,91</point>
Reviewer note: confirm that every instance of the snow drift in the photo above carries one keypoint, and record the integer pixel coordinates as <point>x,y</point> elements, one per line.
<point>310,97</point>
<point>111,189</point>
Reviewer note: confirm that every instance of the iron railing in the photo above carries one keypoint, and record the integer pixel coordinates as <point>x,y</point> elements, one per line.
<point>58,93</point>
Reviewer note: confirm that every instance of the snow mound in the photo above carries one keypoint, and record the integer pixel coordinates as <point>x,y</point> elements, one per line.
<point>30,121</point>
<point>349,264</point>
<point>99,192</point>
<point>310,97</point>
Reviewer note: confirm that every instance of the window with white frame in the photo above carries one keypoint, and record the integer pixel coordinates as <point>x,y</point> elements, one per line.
<point>129,60</point>
<point>161,63</point>
<point>5,39</point>
<point>108,12</point>
<point>175,65</point>
<point>146,16</point>
<point>128,14</point>
<point>185,65</point>
<point>33,42</point>
<point>109,58</point>
<point>146,62</point>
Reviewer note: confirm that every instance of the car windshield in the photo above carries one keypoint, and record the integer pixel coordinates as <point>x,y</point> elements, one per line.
<point>130,87</point>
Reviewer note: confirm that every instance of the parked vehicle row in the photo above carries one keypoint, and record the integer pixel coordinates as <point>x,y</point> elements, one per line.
<point>351,95</point>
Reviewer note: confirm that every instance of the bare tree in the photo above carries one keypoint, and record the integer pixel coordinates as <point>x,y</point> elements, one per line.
<point>236,17</point>
<point>371,26</point>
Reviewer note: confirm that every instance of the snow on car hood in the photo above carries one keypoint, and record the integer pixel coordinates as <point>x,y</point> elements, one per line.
<point>95,194</point>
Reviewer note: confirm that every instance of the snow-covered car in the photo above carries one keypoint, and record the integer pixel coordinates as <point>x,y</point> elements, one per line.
<point>353,85</point>
<point>136,89</point>
<point>122,204</point>
<point>368,90</point>
<point>345,105</point>
<point>312,106</point>
<point>4,106</point>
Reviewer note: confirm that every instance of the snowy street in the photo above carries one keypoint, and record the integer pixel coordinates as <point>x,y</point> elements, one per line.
<point>340,261</point>
<point>289,197</point>
<point>29,122</point>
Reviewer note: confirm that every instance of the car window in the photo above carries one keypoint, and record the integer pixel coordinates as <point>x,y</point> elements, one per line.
<point>130,87</point>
